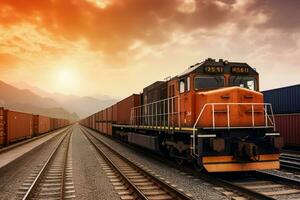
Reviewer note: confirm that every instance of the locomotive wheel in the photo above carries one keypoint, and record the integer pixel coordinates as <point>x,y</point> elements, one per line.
<point>179,161</point>
<point>179,156</point>
<point>182,156</point>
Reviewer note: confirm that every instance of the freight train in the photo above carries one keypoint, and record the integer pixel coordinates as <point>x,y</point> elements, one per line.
<point>16,126</point>
<point>212,115</point>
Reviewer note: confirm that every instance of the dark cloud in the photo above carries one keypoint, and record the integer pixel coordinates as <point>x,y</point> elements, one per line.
<point>283,15</point>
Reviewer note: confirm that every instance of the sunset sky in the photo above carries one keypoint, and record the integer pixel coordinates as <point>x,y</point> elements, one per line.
<point>116,47</point>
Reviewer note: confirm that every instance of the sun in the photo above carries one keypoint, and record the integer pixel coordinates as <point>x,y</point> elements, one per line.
<point>66,80</point>
<point>66,76</point>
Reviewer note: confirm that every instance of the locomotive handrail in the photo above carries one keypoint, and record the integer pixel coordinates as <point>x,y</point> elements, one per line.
<point>157,113</point>
<point>266,115</point>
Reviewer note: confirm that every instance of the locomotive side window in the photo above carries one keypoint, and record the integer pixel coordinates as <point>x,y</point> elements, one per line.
<point>184,85</point>
<point>208,82</point>
<point>181,86</point>
<point>188,84</point>
<point>248,82</point>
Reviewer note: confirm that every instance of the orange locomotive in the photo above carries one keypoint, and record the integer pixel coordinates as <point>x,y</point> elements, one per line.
<point>212,115</point>
<point>215,116</point>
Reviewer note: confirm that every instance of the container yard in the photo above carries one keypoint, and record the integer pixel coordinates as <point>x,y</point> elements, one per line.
<point>149,100</point>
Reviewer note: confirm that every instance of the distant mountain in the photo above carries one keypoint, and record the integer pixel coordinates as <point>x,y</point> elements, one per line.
<point>86,106</point>
<point>83,106</point>
<point>25,100</point>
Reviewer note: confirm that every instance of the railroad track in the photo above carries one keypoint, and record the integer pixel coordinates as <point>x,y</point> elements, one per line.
<point>252,185</point>
<point>54,179</point>
<point>261,185</point>
<point>130,180</point>
<point>290,161</point>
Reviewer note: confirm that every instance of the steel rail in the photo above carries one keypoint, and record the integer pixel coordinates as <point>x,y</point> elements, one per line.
<point>34,185</point>
<point>62,194</point>
<point>176,194</point>
<point>277,178</point>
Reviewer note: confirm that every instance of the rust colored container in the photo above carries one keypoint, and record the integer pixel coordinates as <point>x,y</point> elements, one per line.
<point>97,126</point>
<point>41,124</point>
<point>109,113</point>
<point>104,128</point>
<point>101,127</point>
<point>19,126</point>
<point>51,124</point>
<point>288,125</point>
<point>104,113</point>
<point>93,122</point>
<point>124,108</point>
<point>97,117</point>
<point>115,111</point>
<point>109,128</point>
<point>101,115</point>
<point>3,118</point>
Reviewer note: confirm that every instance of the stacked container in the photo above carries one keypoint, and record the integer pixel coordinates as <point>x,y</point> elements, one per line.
<point>286,106</point>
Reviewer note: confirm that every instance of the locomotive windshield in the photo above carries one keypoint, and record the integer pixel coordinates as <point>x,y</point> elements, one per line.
<point>208,82</point>
<point>248,82</point>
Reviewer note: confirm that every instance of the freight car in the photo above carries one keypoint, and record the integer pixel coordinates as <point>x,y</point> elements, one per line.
<point>286,106</point>
<point>212,115</point>
<point>41,124</point>
<point>16,126</point>
<point>289,127</point>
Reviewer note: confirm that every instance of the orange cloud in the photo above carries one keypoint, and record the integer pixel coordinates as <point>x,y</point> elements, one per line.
<point>117,25</point>
<point>8,60</point>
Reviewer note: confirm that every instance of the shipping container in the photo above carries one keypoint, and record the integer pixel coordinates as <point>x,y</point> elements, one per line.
<point>284,100</point>
<point>19,126</point>
<point>109,113</point>
<point>124,108</point>
<point>115,111</point>
<point>93,122</point>
<point>109,128</point>
<point>288,125</point>
<point>52,124</point>
<point>101,115</point>
<point>41,124</point>
<point>90,122</point>
<point>104,115</point>
<point>101,127</point>
<point>2,126</point>
<point>104,129</point>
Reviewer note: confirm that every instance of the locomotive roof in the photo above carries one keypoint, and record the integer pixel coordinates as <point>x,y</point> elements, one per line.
<point>199,67</point>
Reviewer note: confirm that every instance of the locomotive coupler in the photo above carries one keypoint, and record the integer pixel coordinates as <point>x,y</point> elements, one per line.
<point>245,151</point>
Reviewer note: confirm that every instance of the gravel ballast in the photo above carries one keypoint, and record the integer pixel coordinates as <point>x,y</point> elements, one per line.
<point>90,180</point>
<point>13,175</point>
